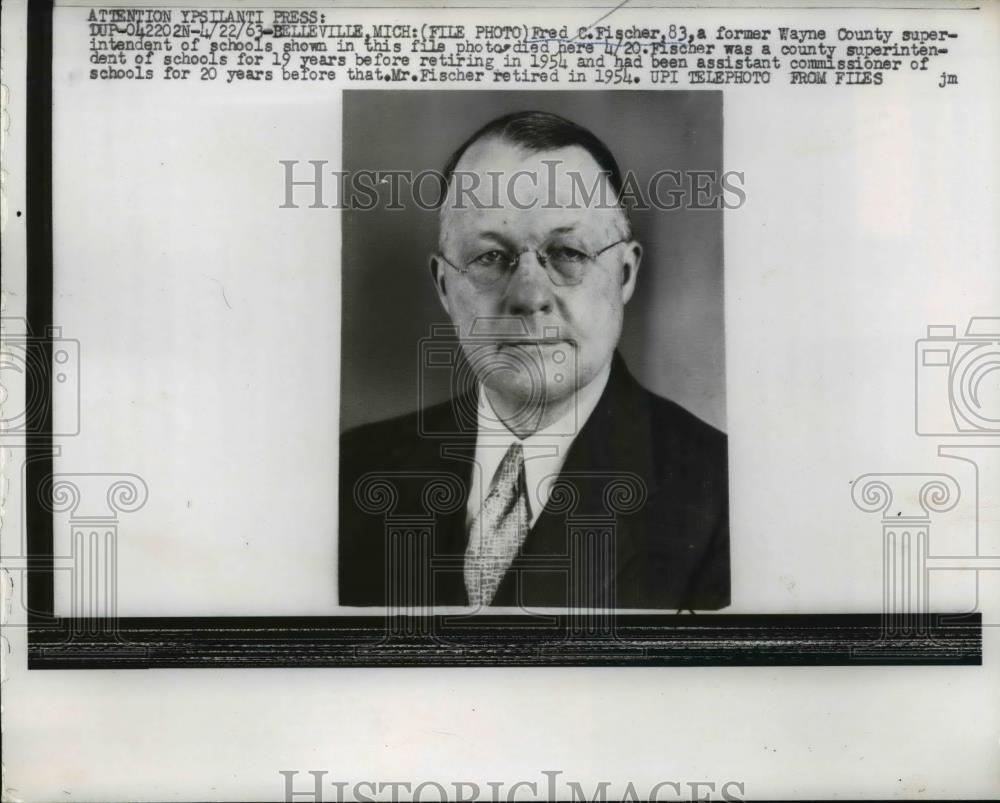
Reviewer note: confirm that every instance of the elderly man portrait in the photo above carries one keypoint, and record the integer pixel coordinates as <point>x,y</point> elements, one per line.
<point>555,479</point>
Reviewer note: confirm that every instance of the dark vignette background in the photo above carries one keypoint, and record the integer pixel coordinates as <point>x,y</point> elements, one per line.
<point>673,339</point>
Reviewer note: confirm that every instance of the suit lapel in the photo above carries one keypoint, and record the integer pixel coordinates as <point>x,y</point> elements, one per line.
<point>614,445</point>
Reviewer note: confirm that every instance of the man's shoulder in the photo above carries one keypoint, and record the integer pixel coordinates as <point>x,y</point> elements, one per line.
<point>675,424</point>
<point>384,429</point>
<point>384,443</point>
<point>682,445</point>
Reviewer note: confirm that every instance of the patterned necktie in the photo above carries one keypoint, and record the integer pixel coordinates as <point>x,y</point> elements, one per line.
<point>498,530</point>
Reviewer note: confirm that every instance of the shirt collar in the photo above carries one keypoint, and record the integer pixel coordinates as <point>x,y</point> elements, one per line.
<point>544,451</point>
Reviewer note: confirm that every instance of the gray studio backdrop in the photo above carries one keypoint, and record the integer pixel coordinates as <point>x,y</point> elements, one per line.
<point>673,339</point>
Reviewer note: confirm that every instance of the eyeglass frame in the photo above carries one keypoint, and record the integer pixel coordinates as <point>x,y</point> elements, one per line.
<point>516,261</point>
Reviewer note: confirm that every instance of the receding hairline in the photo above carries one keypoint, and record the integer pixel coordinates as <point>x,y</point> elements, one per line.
<point>476,150</point>
<point>538,132</point>
<point>521,149</point>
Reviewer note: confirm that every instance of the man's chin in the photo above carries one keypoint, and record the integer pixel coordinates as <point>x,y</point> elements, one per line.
<point>532,372</point>
<point>530,393</point>
<point>526,407</point>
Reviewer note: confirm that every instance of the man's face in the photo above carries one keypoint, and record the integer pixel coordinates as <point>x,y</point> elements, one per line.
<point>529,338</point>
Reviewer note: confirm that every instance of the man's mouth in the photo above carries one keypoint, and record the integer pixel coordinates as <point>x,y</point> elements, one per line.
<point>540,342</point>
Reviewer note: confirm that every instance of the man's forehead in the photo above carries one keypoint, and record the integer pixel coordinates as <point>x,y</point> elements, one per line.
<point>557,185</point>
<point>497,155</point>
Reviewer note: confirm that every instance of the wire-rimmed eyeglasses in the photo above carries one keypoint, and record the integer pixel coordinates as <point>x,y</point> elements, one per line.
<point>565,265</point>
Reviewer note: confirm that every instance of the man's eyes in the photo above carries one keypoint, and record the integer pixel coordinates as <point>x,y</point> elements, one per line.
<point>559,253</point>
<point>492,258</point>
<point>565,253</point>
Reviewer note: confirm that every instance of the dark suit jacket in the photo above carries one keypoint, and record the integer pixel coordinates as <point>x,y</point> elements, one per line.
<point>637,519</point>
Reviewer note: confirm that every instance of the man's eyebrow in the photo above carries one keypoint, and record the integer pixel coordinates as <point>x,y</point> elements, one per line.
<point>490,235</point>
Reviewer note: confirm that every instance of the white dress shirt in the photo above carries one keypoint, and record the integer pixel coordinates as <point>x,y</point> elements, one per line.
<point>544,451</point>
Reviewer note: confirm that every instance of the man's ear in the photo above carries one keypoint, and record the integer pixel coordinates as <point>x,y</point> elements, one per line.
<point>630,268</point>
<point>436,267</point>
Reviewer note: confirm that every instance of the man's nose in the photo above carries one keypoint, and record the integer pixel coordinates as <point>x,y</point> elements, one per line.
<point>530,289</point>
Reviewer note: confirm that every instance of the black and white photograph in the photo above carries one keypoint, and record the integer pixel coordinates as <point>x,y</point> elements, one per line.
<point>460,401</point>
<point>538,397</point>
